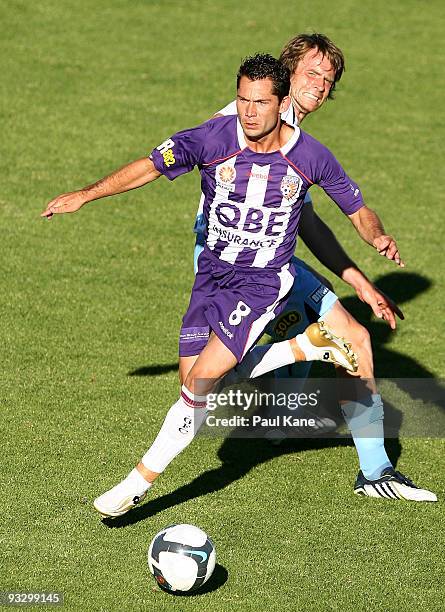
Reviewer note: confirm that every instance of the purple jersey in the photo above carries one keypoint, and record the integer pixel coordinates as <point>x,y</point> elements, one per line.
<point>253,200</point>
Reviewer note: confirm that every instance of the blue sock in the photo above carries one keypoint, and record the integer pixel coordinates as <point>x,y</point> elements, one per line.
<point>365,422</point>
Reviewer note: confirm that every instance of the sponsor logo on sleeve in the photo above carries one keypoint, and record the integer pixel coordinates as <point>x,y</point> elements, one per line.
<point>319,294</point>
<point>166,151</point>
<point>355,190</point>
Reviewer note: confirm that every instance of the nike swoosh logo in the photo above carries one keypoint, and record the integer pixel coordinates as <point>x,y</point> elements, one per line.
<point>202,554</point>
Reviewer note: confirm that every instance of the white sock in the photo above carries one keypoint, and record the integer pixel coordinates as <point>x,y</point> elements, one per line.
<point>260,360</point>
<point>310,352</point>
<point>133,484</point>
<point>179,428</point>
<point>136,483</point>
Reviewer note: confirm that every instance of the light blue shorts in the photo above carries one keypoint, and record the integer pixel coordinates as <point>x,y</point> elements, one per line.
<point>309,301</point>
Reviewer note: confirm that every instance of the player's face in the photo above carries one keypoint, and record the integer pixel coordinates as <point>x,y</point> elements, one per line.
<point>258,107</point>
<point>311,82</point>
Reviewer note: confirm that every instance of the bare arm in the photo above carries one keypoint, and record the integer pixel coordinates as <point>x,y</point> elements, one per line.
<point>133,175</point>
<point>323,243</point>
<point>370,228</point>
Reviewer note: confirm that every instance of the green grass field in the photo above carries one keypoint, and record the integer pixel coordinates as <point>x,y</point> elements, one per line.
<point>92,304</point>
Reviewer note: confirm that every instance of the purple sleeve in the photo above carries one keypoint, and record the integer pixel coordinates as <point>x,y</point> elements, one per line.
<point>337,184</point>
<point>180,153</point>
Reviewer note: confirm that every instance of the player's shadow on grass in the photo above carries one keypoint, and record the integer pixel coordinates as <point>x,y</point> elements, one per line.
<point>154,370</point>
<point>239,456</point>
<point>402,287</point>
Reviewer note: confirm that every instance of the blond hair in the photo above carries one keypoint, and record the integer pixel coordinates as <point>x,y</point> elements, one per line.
<point>297,48</point>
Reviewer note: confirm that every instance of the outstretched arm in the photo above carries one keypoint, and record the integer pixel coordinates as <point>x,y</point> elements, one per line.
<point>370,228</point>
<point>323,243</point>
<point>133,175</point>
<point>321,240</point>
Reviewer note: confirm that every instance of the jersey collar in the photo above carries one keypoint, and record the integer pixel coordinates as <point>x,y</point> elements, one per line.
<point>284,149</point>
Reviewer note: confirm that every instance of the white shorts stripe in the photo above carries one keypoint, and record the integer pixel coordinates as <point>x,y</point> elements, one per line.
<point>258,326</point>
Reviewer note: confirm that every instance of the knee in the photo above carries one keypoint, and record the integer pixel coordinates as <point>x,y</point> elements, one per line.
<point>199,380</point>
<point>361,344</point>
<point>360,337</point>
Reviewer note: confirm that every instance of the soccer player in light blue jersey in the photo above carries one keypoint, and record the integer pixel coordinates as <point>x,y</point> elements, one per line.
<point>316,64</point>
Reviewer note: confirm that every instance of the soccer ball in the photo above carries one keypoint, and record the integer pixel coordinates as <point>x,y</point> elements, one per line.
<point>181,558</point>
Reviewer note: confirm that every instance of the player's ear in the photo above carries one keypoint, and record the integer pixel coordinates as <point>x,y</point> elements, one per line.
<point>284,104</point>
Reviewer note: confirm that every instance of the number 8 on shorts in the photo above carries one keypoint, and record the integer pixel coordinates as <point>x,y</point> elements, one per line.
<point>241,310</point>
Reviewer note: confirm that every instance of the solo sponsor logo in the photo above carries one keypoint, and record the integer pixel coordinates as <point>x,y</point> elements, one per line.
<point>255,221</point>
<point>261,176</point>
<point>285,322</point>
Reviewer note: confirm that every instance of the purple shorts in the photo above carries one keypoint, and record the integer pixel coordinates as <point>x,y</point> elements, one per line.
<point>236,303</point>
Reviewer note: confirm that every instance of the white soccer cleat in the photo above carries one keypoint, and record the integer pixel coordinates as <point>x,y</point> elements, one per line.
<point>321,344</point>
<point>117,501</point>
<point>392,485</point>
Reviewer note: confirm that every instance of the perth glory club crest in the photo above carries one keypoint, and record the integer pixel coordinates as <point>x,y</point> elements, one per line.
<point>290,187</point>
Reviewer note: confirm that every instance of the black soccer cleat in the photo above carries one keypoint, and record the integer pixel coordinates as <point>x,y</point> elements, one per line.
<point>392,485</point>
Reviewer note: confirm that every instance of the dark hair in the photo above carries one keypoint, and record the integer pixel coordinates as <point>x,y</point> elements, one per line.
<point>297,48</point>
<point>264,66</point>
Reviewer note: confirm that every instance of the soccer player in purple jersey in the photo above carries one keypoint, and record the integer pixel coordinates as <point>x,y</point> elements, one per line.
<point>255,171</point>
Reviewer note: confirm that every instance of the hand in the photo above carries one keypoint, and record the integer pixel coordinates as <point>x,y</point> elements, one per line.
<point>65,203</point>
<point>382,306</point>
<point>387,246</point>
